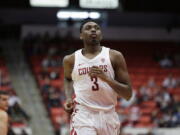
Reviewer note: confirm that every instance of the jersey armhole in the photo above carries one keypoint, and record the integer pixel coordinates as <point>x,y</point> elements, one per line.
<point>75,57</point>
<point>110,63</point>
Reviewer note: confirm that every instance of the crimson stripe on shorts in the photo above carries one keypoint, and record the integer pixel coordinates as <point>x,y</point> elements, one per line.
<point>75,132</point>
<point>72,131</point>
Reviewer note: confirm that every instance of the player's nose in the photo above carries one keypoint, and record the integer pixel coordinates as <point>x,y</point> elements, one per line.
<point>7,103</point>
<point>93,30</point>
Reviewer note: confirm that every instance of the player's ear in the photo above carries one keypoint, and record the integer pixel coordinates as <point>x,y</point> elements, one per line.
<point>81,36</point>
<point>101,37</point>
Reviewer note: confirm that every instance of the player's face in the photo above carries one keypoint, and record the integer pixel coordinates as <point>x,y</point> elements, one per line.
<point>4,102</point>
<point>91,33</point>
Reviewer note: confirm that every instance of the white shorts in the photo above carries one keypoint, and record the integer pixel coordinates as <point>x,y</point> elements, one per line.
<point>88,122</point>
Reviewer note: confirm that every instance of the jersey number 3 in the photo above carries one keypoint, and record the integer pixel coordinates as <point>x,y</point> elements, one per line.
<point>95,86</point>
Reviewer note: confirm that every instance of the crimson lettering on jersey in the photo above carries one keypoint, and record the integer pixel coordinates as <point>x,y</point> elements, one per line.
<point>85,70</point>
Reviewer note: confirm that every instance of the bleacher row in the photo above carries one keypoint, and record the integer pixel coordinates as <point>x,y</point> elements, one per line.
<point>18,123</point>
<point>145,111</point>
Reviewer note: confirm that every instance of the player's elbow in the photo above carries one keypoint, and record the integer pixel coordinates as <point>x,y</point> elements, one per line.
<point>128,94</point>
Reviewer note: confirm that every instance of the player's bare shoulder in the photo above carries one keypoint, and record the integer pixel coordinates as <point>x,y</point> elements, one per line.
<point>3,115</point>
<point>115,57</point>
<point>115,53</point>
<point>69,59</point>
<point>68,64</point>
<point>3,122</point>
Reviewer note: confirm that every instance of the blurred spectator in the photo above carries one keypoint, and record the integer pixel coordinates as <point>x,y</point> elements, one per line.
<point>24,132</point>
<point>45,88</point>
<point>169,82</point>
<point>163,99</point>
<point>176,119</point>
<point>54,98</point>
<point>15,110</point>
<point>62,95</point>
<point>49,61</point>
<point>134,114</point>
<point>144,92</point>
<point>166,62</point>
<point>11,132</point>
<point>52,51</point>
<point>54,74</point>
<point>13,99</point>
<point>18,114</point>
<point>44,73</point>
<point>166,119</point>
<point>5,80</point>
<point>151,83</point>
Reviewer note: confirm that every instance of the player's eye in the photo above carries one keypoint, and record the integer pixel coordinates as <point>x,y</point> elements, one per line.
<point>88,27</point>
<point>97,27</point>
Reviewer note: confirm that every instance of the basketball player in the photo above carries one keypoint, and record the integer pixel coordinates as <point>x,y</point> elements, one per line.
<point>98,75</point>
<point>3,115</point>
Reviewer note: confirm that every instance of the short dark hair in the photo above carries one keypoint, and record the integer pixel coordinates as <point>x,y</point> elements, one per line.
<point>2,92</point>
<point>84,22</point>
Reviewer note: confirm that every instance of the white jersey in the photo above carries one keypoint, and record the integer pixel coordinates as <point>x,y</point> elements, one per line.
<point>93,92</point>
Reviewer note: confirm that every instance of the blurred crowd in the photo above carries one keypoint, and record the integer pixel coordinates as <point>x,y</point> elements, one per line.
<point>166,110</point>
<point>168,60</point>
<point>17,115</point>
<point>48,44</point>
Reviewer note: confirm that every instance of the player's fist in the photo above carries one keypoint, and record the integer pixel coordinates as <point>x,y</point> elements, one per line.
<point>68,106</point>
<point>96,71</point>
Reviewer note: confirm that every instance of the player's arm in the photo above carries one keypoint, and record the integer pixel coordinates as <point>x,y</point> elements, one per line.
<point>68,63</point>
<point>121,84</point>
<point>3,123</point>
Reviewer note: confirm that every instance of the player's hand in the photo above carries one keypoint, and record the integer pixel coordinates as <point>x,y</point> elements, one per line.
<point>68,106</point>
<point>96,71</point>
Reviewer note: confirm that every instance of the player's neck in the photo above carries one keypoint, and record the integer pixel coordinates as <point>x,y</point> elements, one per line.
<point>92,48</point>
<point>1,110</point>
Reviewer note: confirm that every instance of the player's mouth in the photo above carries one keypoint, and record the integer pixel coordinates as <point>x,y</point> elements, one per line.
<point>6,108</point>
<point>93,35</point>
